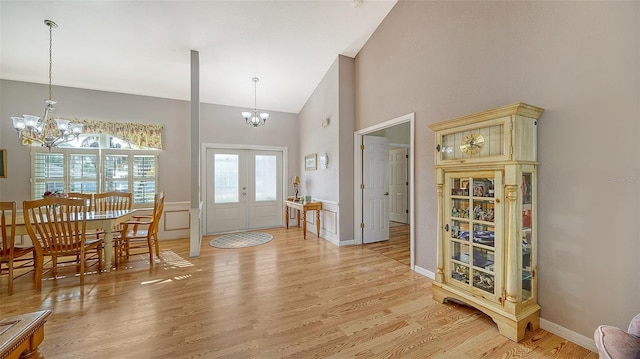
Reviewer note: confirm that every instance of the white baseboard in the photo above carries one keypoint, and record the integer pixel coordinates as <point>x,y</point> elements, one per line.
<point>427,273</point>
<point>570,335</point>
<point>347,243</point>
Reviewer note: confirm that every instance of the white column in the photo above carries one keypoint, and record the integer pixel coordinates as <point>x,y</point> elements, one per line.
<point>195,207</point>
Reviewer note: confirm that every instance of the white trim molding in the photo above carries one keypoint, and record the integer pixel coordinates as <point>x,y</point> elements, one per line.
<point>357,177</point>
<point>570,335</point>
<point>425,272</point>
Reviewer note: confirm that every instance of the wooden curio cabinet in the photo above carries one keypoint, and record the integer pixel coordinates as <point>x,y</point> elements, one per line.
<point>487,237</point>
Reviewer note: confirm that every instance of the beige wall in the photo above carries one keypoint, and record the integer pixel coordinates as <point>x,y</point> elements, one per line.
<point>219,124</point>
<point>333,98</point>
<point>578,60</point>
<point>27,98</point>
<point>323,103</point>
<point>346,96</point>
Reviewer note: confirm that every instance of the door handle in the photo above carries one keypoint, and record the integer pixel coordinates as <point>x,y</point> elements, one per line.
<point>386,193</point>
<point>244,193</point>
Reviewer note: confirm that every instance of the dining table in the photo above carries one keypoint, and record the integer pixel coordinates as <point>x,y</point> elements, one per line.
<point>102,220</point>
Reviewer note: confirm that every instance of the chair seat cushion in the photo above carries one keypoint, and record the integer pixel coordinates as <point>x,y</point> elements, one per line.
<point>615,343</point>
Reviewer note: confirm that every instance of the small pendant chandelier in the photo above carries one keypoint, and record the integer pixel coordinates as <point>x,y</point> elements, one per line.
<point>50,131</point>
<point>253,119</point>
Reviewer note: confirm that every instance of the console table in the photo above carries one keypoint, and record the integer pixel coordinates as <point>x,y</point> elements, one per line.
<point>20,335</point>
<point>303,208</point>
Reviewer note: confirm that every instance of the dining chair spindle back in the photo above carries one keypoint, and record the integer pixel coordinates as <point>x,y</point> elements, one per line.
<point>57,227</point>
<point>86,196</point>
<point>112,201</point>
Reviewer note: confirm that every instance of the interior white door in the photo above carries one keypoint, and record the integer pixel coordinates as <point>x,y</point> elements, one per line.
<point>398,185</point>
<point>376,189</point>
<point>243,189</point>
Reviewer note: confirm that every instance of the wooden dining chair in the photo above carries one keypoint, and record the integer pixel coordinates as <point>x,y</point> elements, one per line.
<point>89,198</point>
<point>141,233</point>
<point>57,227</point>
<point>86,196</point>
<point>10,255</point>
<point>112,201</point>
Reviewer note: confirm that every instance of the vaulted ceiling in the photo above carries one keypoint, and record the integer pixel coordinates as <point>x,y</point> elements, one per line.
<point>143,47</point>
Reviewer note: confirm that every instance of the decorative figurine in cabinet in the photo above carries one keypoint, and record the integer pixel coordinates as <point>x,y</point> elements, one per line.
<point>486,184</point>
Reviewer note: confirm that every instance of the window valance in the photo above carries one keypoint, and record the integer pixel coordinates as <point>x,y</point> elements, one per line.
<point>139,134</point>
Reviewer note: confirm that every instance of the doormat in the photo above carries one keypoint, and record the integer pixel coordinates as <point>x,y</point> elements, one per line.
<point>241,240</point>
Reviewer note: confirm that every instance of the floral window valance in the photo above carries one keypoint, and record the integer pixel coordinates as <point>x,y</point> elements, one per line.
<point>139,134</point>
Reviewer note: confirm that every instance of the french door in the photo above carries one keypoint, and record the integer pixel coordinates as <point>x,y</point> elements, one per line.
<point>243,189</point>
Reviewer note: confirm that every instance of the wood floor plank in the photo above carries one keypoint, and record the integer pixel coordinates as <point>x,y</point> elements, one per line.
<point>289,298</point>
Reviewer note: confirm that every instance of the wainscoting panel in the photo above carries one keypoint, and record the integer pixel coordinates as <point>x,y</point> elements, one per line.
<point>328,221</point>
<point>175,221</point>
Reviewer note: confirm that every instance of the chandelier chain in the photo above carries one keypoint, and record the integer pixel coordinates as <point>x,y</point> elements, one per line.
<point>50,56</point>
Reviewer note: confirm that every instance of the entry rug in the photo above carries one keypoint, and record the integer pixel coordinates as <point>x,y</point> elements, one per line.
<point>241,240</point>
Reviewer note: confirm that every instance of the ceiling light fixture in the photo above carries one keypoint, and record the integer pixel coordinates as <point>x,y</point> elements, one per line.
<point>51,131</point>
<point>253,119</point>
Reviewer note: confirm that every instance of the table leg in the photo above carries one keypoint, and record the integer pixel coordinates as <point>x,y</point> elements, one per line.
<point>286,216</point>
<point>298,216</point>
<point>318,221</point>
<point>304,224</point>
<point>108,249</point>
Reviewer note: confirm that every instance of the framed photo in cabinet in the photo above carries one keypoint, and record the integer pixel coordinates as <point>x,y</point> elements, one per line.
<point>478,190</point>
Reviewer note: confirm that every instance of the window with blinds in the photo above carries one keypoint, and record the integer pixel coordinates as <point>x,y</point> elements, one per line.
<point>48,173</point>
<point>83,173</point>
<point>91,170</point>
<point>116,172</point>
<point>144,178</point>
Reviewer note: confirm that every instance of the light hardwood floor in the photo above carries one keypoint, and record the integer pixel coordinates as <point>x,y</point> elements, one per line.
<point>398,245</point>
<point>289,298</point>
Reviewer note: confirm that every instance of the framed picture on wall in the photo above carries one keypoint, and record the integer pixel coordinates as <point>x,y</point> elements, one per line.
<point>310,162</point>
<point>3,163</point>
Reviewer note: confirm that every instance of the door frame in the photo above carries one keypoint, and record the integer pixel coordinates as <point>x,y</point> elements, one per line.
<point>203,170</point>
<point>357,177</point>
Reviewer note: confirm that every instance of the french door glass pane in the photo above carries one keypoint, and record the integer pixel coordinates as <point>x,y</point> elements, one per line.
<point>266,176</point>
<point>226,172</point>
